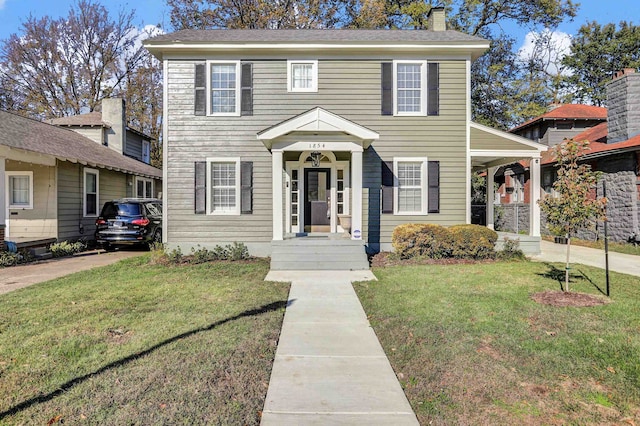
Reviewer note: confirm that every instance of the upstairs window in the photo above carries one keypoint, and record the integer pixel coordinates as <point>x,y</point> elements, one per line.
<point>144,187</point>
<point>409,88</point>
<point>302,76</point>
<point>224,87</point>
<point>146,152</point>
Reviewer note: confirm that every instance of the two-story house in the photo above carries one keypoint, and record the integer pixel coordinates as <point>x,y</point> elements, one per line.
<point>275,136</point>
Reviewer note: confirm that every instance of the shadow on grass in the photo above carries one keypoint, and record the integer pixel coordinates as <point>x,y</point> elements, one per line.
<point>71,383</point>
<point>558,275</point>
<point>592,282</point>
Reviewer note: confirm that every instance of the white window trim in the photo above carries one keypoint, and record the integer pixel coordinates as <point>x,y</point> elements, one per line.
<point>8,190</point>
<point>238,89</point>
<point>145,180</point>
<point>423,88</point>
<point>236,210</point>
<point>86,171</point>
<point>423,181</point>
<point>314,75</point>
<point>146,152</point>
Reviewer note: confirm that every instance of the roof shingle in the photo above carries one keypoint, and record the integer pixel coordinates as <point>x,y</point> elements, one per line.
<point>568,112</point>
<point>67,145</point>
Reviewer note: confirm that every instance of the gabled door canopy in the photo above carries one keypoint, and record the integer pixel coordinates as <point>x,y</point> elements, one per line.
<point>317,120</point>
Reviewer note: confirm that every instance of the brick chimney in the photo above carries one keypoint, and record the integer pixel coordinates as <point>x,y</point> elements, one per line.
<point>437,19</point>
<point>113,113</point>
<point>623,103</point>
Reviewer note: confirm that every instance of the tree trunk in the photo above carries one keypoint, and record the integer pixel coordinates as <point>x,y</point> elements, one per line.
<point>566,268</point>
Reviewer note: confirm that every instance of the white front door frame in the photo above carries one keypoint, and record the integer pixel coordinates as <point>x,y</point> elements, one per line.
<point>355,183</point>
<point>300,166</point>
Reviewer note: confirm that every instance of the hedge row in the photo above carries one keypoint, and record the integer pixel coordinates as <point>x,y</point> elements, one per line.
<point>437,242</point>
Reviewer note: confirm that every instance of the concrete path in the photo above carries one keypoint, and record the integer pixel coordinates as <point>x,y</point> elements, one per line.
<point>16,277</point>
<point>618,262</point>
<point>329,367</point>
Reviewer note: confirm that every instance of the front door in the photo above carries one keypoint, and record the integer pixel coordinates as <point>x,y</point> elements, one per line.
<point>317,200</point>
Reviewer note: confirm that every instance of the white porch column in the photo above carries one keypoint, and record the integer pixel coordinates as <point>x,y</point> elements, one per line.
<point>491,171</point>
<point>534,197</point>
<point>356,195</point>
<point>276,164</point>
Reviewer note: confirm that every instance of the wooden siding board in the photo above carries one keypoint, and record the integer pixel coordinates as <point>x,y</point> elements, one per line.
<point>347,88</point>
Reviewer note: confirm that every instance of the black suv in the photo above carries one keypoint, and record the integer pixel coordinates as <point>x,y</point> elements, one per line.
<point>129,221</point>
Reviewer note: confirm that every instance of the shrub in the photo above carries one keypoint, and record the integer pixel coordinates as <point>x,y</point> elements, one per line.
<point>473,242</point>
<point>422,239</point>
<point>511,250</point>
<point>237,251</point>
<point>8,258</point>
<point>66,248</point>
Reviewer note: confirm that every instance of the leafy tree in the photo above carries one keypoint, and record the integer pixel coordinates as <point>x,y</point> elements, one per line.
<point>597,51</point>
<point>253,14</point>
<point>66,66</point>
<point>574,207</point>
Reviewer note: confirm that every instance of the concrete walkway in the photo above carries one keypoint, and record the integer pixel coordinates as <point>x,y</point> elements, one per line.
<point>618,262</point>
<point>329,367</point>
<point>15,277</point>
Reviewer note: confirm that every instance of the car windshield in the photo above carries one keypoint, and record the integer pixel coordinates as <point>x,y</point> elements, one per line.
<point>112,210</point>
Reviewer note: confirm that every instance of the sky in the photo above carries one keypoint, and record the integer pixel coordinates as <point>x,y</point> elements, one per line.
<point>152,12</point>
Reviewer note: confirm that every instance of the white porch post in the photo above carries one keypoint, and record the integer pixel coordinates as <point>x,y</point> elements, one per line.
<point>276,163</point>
<point>534,197</point>
<point>356,195</point>
<point>491,171</point>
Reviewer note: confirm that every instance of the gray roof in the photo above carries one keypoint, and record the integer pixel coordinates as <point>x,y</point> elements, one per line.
<point>336,36</point>
<point>89,119</point>
<point>31,135</point>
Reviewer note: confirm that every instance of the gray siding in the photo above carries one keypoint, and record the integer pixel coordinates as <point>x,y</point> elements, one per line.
<point>350,89</point>
<point>133,146</point>
<point>71,223</point>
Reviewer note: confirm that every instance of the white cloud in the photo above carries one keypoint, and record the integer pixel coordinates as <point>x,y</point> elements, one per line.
<point>548,46</point>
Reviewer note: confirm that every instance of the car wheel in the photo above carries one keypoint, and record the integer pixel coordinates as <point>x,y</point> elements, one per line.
<point>157,239</point>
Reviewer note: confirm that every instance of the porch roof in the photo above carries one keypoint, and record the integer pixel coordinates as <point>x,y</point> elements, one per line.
<point>491,147</point>
<point>317,121</point>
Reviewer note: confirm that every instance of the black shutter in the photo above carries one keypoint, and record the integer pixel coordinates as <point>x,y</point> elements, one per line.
<point>387,88</point>
<point>433,87</point>
<point>387,186</point>
<point>434,186</point>
<point>246,187</point>
<point>201,187</point>
<point>200,83</point>
<point>246,89</point>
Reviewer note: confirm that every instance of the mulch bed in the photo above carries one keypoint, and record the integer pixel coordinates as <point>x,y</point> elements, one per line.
<point>380,260</point>
<point>561,298</point>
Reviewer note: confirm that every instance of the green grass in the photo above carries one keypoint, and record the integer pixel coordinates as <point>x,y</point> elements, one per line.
<point>469,346</point>
<point>136,343</point>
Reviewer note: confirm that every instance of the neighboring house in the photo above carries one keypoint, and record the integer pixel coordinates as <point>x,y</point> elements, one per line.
<point>109,128</point>
<point>270,135</point>
<point>53,181</point>
<point>614,150</point>
<point>551,128</point>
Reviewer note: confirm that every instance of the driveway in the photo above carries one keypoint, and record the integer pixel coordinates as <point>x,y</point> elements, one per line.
<point>16,277</point>
<point>618,262</point>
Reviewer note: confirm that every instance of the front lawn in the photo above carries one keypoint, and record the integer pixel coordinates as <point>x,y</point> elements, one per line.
<point>135,343</point>
<point>469,346</point>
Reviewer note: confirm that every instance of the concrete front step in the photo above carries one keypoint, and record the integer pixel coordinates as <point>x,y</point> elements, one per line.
<point>318,254</point>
